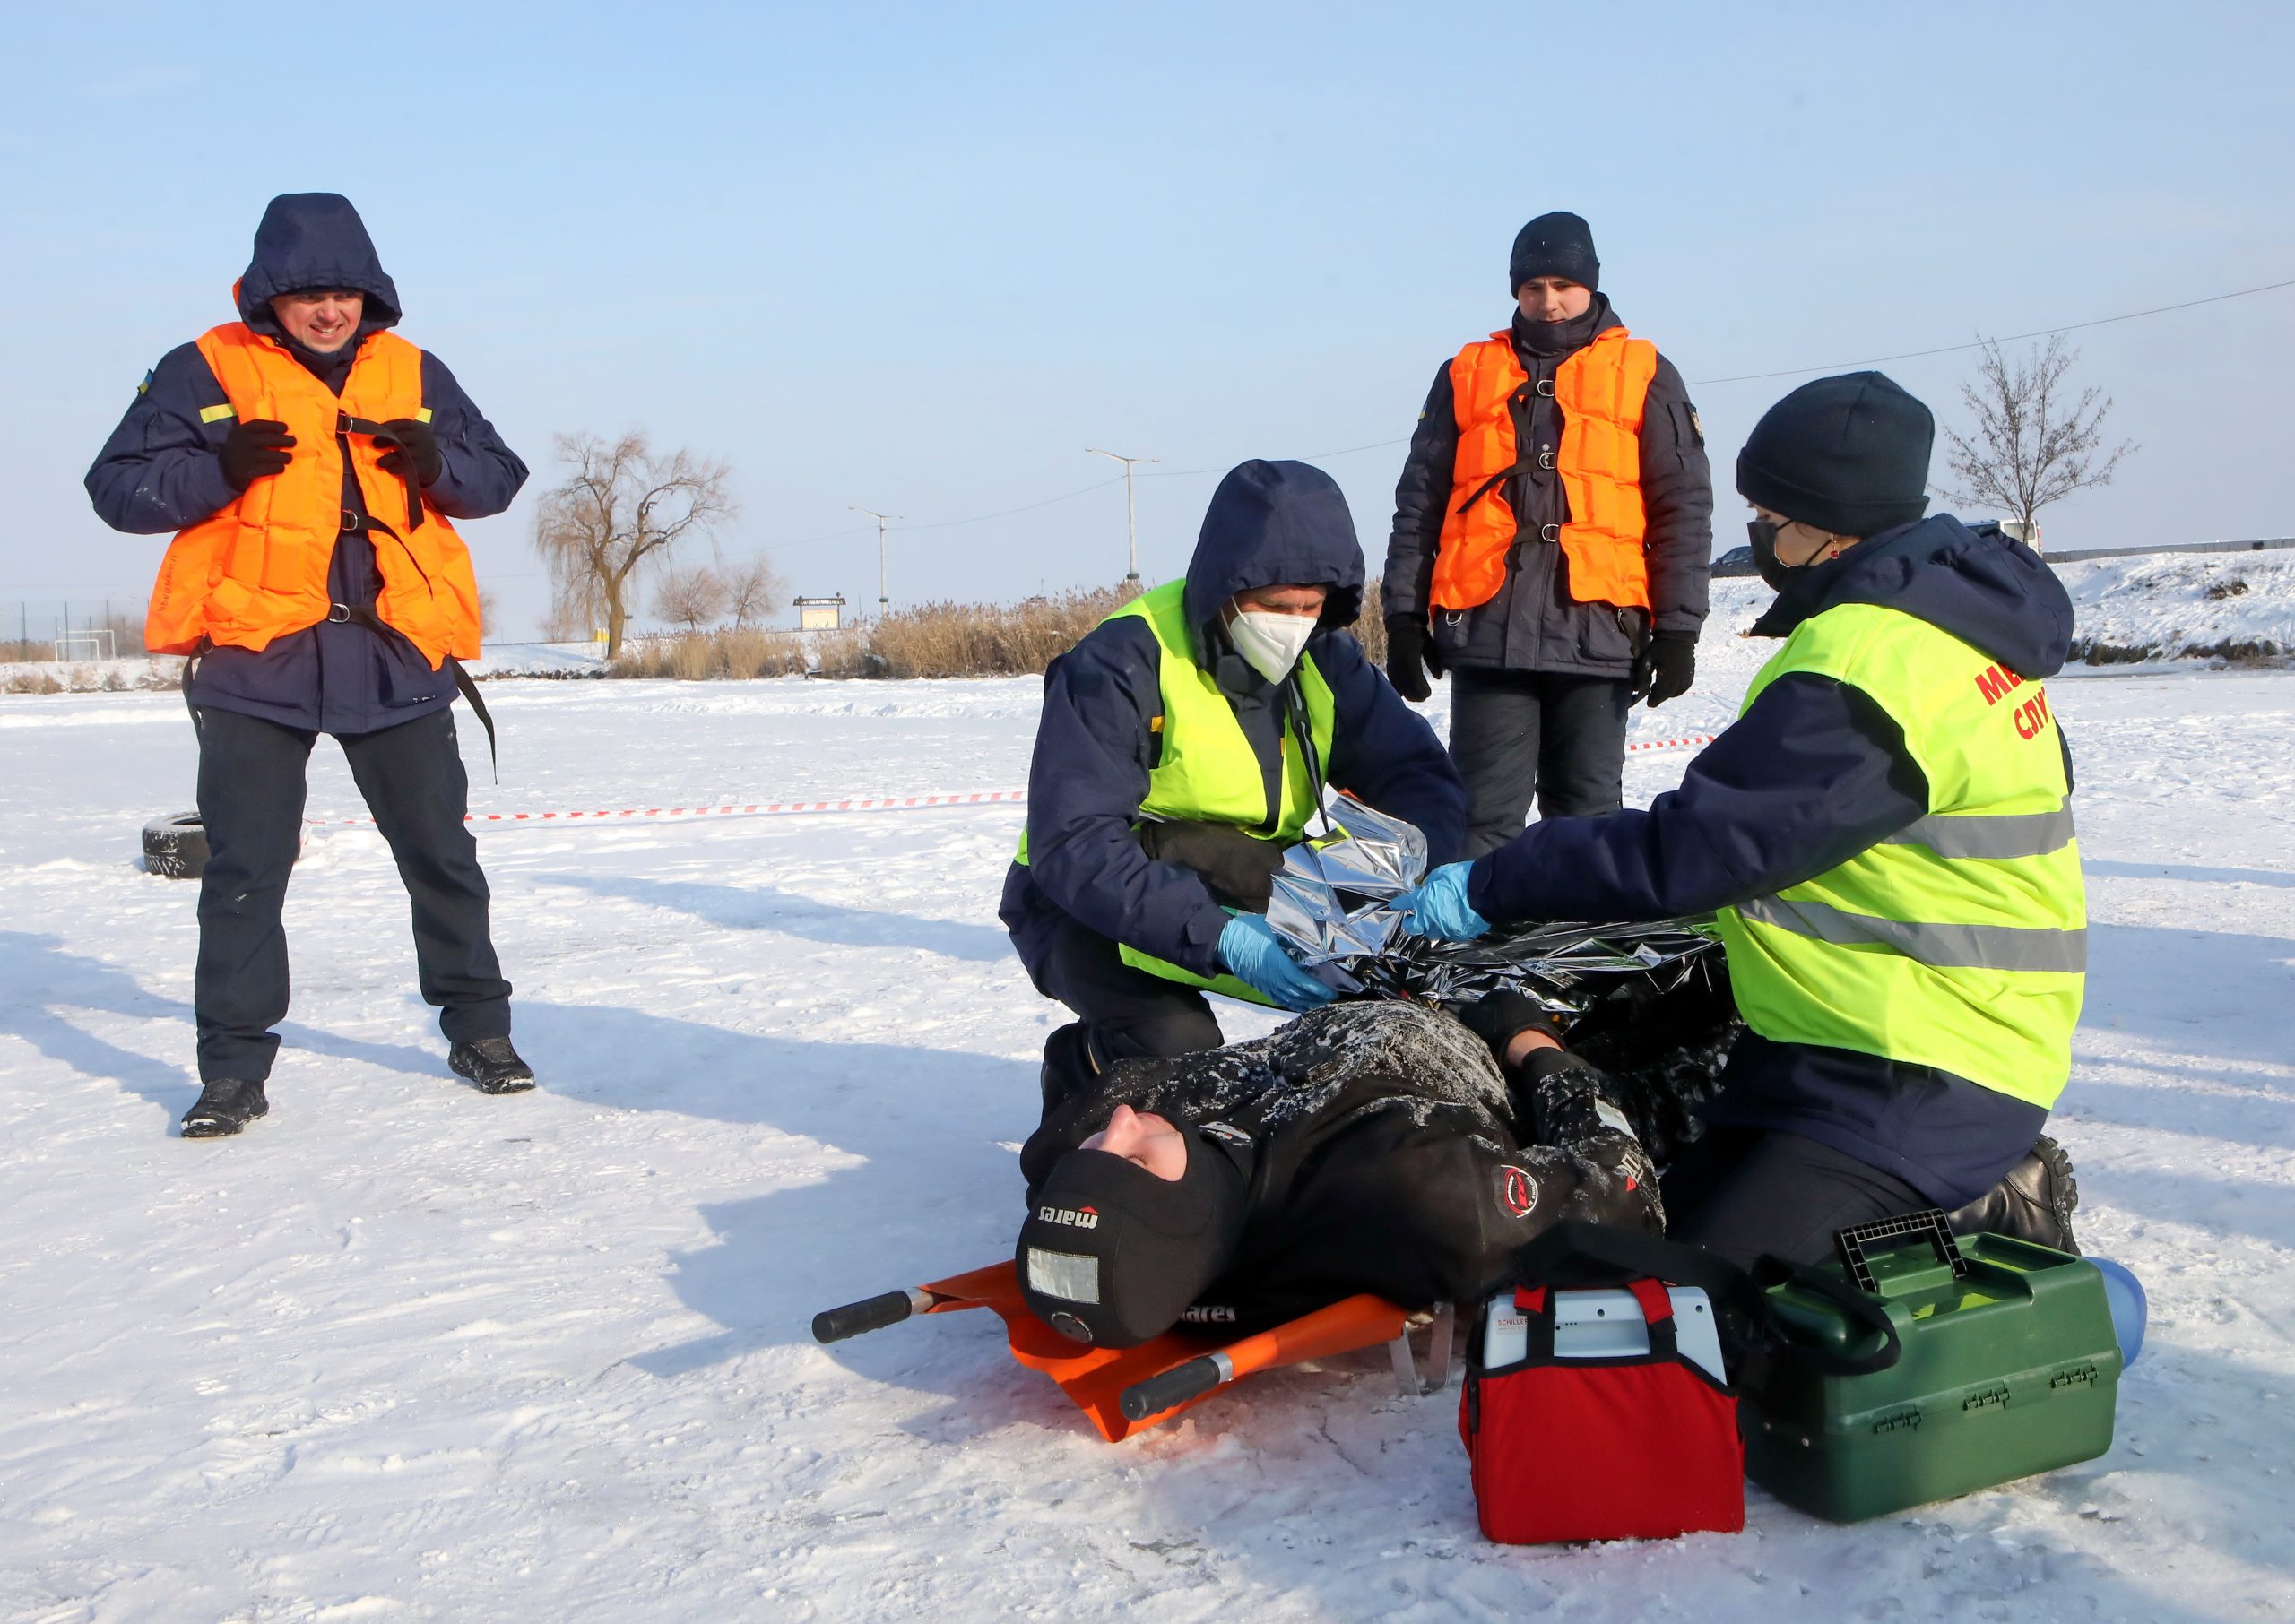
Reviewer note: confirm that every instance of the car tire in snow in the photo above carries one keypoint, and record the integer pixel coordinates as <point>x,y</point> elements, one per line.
<point>174,848</point>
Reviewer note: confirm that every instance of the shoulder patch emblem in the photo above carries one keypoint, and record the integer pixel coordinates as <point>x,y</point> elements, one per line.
<point>1696,425</point>
<point>1518,1192</point>
<point>145,386</point>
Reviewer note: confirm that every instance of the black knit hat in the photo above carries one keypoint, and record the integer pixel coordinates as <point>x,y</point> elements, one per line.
<point>1848,455</point>
<point>1553,245</point>
<point>1111,1255</point>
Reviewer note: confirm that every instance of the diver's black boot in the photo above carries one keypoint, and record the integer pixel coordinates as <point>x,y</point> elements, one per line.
<point>1068,1065</point>
<point>2033,1201</point>
<point>493,1065</point>
<point>225,1107</point>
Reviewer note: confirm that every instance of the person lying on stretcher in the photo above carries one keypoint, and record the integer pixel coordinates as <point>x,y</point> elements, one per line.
<point>1381,1147</point>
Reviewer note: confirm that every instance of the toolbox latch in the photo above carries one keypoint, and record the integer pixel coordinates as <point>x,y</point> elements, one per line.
<point>2073,1377</point>
<point>1904,1420</point>
<point>1985,1399</point>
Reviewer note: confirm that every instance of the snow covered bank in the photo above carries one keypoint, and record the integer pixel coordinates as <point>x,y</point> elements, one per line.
<point>548,660</point>
<point>127,673</point>
<point>2233,606</point>
<point>404,1352</point>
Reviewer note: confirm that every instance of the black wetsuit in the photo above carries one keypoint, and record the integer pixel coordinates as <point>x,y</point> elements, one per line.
<point>1390,1154</point>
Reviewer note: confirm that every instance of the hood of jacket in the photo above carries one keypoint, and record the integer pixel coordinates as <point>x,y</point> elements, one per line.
<point>314,239</point>
<point>1274,525</point>
<point>1989,591</point>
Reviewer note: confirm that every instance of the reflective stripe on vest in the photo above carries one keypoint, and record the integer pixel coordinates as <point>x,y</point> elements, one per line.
<point>1206,770</point>
<point>1959,942</point>
<point>258,569</point>
<point>1601,392</point>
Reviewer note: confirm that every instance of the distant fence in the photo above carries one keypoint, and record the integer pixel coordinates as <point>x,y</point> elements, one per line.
<point>79,629</point>
<point>2263,545</point>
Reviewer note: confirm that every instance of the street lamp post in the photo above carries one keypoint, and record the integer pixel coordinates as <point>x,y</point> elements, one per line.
<point>1130,509</point>
<point>884,592</point>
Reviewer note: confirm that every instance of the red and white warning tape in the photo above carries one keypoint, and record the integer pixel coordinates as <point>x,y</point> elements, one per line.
<point>1673,743</point>
<point>780,809</point>
<point>796,809</point>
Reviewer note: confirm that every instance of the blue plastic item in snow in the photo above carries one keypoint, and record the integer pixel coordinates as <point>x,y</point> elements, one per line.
<point>2125,1292</point>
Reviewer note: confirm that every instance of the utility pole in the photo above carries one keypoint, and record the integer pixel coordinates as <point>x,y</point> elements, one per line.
<point>884,592</point>
<point>1130,509</point>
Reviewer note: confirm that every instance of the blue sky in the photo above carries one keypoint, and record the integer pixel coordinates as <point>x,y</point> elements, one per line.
<point>918,258</point>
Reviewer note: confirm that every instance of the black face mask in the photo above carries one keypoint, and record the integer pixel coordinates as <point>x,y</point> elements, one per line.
<point>1779,575</point>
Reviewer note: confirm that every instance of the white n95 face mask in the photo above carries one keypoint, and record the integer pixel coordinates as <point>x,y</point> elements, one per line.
<point>1269,644</point>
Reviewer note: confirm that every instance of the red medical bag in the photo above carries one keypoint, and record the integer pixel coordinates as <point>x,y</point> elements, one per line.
<point>1641,1446</point>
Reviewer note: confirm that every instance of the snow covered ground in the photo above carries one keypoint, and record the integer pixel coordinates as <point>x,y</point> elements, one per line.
<point>404,1352</point>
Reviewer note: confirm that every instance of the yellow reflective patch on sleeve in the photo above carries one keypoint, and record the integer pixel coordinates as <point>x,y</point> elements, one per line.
<point>422,414</point>
<point>216,414</point>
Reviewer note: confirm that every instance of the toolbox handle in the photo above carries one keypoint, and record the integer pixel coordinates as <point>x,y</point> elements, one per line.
<point>1928,1224</point>
<point>1860,1307</point>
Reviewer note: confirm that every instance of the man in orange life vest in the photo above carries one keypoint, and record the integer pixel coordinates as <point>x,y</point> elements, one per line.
<point>1552,535</point>
<point>311,463</point>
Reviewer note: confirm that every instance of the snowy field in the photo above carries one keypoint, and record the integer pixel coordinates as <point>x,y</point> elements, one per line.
<point>404,1352</point>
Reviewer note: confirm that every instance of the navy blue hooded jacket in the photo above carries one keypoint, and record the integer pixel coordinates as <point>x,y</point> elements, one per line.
<point>1269,524</point>
<point>159,472</point>
<point>1814,772</point>
<point>1533,623</point>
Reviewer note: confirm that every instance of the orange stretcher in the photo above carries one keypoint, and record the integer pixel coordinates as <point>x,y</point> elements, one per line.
<point>1123,1389</point>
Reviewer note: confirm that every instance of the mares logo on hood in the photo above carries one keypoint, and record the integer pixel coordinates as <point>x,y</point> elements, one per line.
<point>1518,1192</point>
<point>1208,1314</point>
<point>1074,1217</point>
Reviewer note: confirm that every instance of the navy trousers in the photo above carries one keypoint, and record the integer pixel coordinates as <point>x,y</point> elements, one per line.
<point>251,793</point>
<point>1551,735</point>
<point>1741,1192</point>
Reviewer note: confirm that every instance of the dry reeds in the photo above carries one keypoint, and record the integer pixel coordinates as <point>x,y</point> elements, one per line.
<point>931,640</point>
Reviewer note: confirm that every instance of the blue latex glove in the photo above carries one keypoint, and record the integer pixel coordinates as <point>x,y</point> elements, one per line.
<point>1249,948</point>
<point>1439,908</point>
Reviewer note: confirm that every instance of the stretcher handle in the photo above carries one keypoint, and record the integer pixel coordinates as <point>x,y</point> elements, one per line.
<point>870,1314</point>
<point>1174,1386</point>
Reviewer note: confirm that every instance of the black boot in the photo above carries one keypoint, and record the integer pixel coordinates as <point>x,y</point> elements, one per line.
<point>1068,1065</point>
<point>224,1107</point>
<point>493,1065</point>
<point>2034,1202</point>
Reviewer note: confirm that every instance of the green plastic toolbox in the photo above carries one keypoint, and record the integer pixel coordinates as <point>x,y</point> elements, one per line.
<point>2008,1368</point>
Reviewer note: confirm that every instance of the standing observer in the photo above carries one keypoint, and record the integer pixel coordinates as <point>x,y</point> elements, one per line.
<point>1886,831</point>
<point>1552,535</point>
<point>1186,742</point>
<point>311,463</point>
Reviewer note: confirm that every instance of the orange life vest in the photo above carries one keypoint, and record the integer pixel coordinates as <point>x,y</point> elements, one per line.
<point>1601,390</point>
<point>258,569</point>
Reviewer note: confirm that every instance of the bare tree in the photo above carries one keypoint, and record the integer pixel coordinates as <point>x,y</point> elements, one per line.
<point>689,597</point>
<point>620,505</point>
<point>2033,442</point>
<point>752,590</point>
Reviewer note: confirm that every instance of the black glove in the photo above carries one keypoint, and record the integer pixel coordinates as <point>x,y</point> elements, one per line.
<point>1498,1018</point>
<point>1665,669</point>
<point>409,437</point>
<point>1411,655</point>
<point>255,450</point>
